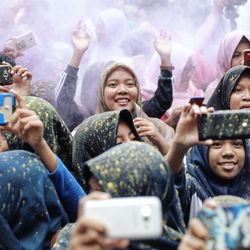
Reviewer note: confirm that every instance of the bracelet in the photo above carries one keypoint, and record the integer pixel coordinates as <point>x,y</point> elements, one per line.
<point>169,67</point>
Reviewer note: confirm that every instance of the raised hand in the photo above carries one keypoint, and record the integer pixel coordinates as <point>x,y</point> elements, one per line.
<point>26,124</point>
<point>195,238</point>
<point>187,130</point>
<point>146,128</point>
<point>163,46</point>
<point>80,38</point>
<point>90,234</point>
<point>9,50</point>
<point>21,80</point>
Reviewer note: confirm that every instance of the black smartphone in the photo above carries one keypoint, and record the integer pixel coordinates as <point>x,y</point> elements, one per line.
<point>7,107</point>
<point>228,227</point>
<point>224,124</point>
<point>197,100</point>
<point>246,54</point>
<point>5,75</point>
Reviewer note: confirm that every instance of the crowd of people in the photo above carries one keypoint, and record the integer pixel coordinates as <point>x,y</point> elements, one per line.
<point>108,115</point>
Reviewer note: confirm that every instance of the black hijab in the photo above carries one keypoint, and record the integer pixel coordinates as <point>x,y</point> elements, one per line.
<point>207,184</point>
<point>138,169</point>
<point>95,135</point>
<point>220,99</point>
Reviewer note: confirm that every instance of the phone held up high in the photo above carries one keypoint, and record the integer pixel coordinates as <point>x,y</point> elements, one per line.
<point>246,54</point>
<point>22,42</point>
<point>228,226</point>
<point>5,75</point>
<point>128,218</point>
<point>224,124</point>
<point>7,107</point>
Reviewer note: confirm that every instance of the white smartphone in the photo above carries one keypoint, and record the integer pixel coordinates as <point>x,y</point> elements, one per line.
<point>22,42</point>
<point>128,218</point>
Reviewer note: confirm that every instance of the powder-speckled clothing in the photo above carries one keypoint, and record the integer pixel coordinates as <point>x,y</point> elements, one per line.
<point>137,169</point>
<point>96,135</point>
<point>56,132</point>
<point>30,208</point>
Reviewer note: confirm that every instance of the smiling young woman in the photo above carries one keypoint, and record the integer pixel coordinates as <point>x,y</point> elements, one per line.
<point>120,89</point>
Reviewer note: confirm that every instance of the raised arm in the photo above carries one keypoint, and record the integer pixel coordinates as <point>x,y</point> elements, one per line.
<point>66,88</point>
<point>163,96</point>
<point>186,136</point>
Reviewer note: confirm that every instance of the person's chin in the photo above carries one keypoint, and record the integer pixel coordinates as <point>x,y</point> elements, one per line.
<point>228,175</point>
<point>124,107</point>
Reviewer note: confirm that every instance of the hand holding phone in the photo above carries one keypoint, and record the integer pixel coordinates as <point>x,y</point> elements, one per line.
<point>22,42</point>
<point>7,107</point>
<point>127,218</point>
<point>197,100</point>
<point>228,226</point>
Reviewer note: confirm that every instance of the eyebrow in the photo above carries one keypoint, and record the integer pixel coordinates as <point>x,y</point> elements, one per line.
<point>127,79</point>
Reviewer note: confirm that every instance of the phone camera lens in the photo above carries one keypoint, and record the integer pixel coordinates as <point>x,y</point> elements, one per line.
<point>244,124</point>
<point>145,212</point>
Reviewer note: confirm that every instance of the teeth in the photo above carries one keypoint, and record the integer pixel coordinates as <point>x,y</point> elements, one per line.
<point>122,101</point>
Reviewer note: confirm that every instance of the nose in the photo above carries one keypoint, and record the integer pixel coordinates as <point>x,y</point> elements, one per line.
<point>227,151</point>
<point>122,89</point>
<point>246,95</point>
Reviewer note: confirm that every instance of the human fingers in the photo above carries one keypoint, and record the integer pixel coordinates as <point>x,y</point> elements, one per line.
<point>30,123</point>
<point>92,196</point>
<point>197,229</point>
<point>92,232</point>
<point>189,242</point>
<point>210,203</point>
<point>19,70</point>
<point>19,99</point>
<point>19,113</point>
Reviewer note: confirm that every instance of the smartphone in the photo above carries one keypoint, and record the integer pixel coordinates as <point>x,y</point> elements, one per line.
<point>224,124</point>
<point>228,227</point>
<point>7,107</point>
<point>246,54</point>
<point>22,42</point>
<point>5,75</point>
<point>128,218</point>
<point>197,100</point>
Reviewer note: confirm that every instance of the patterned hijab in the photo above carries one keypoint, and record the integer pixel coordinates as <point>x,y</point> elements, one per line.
<point>208,184</point>
<point>138,169</point>
<point>96,135</point>
<point>56,133</point>
<point>220,99</point>
<point>30,208</point>
<point>101,106</point>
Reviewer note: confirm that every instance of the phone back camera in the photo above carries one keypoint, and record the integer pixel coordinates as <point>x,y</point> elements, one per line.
<point>146,212</point>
